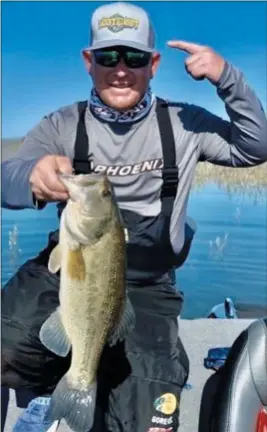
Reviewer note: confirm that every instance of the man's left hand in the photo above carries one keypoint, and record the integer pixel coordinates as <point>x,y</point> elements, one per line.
<point>203,62</point>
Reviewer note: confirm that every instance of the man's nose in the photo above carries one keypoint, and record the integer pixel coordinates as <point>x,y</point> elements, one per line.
<point>121,69</point>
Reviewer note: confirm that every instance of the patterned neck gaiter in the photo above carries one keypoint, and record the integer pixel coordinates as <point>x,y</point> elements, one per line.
<point>111,115</point>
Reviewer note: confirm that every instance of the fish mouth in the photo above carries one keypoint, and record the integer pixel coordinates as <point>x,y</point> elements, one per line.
<point>86,187</point>
<point>83,180</point>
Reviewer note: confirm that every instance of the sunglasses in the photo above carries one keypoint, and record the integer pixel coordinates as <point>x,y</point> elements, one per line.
<point>133,58</point>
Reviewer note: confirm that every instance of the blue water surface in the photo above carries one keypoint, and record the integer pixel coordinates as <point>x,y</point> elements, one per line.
<point>228,256</point>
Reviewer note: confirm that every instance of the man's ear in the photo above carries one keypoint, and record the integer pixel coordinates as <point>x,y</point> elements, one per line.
<point>156,57</point>
<point>87,56</point>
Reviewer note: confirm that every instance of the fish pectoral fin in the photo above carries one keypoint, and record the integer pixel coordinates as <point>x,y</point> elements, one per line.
<point>125,324</point>
<point>54,262</point>
<point>53,335</point>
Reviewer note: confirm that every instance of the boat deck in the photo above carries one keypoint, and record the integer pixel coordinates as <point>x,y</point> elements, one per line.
<point>198,336</point>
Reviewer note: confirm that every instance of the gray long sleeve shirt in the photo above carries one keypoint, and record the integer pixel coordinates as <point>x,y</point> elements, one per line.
<point>132,155</point>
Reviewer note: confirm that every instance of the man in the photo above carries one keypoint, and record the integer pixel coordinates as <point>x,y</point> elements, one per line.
<point>149,149</point>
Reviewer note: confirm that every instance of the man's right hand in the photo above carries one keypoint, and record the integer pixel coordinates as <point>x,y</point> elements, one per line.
<point>44,179</point>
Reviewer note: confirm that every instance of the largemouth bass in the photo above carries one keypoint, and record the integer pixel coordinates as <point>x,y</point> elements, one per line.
<point>94,308</point>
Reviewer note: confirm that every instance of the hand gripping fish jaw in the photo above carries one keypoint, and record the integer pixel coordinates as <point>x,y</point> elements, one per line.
<point>86,188</point>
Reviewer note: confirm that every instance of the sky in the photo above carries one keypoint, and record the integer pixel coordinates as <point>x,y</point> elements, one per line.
<point>42,66</point>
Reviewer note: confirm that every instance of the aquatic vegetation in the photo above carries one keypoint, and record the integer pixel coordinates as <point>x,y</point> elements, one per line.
<point>217,246</point>
<point>13,246</point>
<point>250,182</point>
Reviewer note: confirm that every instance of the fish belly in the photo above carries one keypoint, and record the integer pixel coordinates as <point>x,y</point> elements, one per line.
<point>91,307</point>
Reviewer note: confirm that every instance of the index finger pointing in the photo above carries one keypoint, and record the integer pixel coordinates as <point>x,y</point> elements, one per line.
<point>189,47</point>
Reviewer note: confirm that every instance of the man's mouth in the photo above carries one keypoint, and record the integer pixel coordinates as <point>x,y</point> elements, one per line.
<point>120,85</point>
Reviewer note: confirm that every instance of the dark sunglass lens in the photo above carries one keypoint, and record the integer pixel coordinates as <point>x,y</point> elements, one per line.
<point>136,59</point>
<point>107,58</point>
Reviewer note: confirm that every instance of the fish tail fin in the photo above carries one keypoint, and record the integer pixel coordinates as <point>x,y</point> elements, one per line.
<point>76,406</point>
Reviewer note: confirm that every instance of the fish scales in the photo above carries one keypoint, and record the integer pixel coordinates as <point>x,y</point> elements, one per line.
<point>95,298</point>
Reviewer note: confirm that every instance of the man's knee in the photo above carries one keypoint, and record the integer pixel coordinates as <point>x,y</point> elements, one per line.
<point>29,297</point>
<point>149,398</point>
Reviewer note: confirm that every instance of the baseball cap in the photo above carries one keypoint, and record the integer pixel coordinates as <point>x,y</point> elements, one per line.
<point>121,23</point>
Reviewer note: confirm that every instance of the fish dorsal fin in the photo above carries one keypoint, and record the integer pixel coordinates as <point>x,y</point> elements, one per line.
<point>54,262</point>
<point>125,324</point>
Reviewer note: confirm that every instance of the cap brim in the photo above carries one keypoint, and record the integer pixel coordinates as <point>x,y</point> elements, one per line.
<point>116,42</point>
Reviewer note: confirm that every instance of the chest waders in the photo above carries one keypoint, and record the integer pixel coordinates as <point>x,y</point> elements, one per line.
<point>140,381</point>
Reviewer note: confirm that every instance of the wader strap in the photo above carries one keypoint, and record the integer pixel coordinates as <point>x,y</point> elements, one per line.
<point>170,174</point>
<point>81,163</point>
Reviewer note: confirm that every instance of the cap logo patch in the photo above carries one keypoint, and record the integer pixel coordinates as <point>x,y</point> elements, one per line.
<point>117,23</point>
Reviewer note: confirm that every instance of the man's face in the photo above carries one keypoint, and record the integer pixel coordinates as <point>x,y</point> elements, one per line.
<point>121,75</point>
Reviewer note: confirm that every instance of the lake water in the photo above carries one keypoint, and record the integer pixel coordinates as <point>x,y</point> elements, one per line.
<point>228,256</point>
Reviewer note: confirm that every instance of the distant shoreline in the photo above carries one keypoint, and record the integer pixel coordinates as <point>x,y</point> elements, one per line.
<point>247,181</point>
